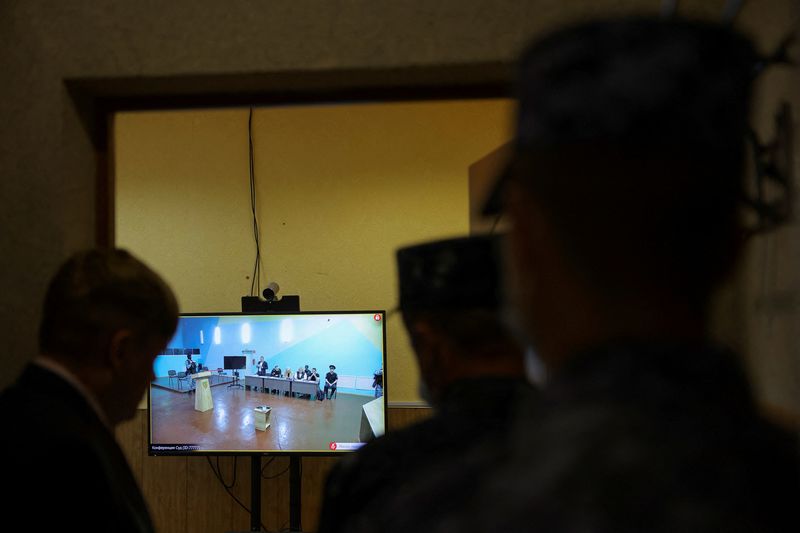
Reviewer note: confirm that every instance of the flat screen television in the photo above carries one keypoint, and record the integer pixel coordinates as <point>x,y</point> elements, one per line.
<point>234,362</point>
<point>303,418</point>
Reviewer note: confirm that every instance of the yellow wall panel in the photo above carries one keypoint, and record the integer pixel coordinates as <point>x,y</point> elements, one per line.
<point>339,188</point>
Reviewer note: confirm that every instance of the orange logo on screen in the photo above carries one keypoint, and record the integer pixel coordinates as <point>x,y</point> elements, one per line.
<point>377,317</point>
<point>333,446</point>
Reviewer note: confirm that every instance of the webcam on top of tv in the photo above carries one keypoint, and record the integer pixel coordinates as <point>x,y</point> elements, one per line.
<point>270,303</point>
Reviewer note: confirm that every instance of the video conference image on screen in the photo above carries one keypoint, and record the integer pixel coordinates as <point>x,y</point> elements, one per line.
<point>300,382</point>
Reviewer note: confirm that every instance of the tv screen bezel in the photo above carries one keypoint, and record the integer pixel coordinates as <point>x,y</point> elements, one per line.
<point>238,358</point>
<point>245,453</point>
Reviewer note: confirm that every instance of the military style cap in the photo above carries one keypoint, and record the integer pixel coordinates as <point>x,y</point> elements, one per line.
<point>450,274</point>
<point>659,86</point>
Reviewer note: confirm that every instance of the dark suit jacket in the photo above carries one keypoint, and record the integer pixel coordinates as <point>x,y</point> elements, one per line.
<point>61,464</point>
<point>362,487</point>
<point>632,437</point>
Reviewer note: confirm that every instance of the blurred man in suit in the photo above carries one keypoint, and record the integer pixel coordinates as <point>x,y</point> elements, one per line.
<point>624,196</point>
<point>106,315</point>
<point>471,372</point>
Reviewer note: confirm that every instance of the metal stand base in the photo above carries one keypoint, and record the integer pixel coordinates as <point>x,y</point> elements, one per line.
<point>295,486</point>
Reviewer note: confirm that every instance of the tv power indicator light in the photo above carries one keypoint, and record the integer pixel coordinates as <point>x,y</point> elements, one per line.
<point>345,446</point>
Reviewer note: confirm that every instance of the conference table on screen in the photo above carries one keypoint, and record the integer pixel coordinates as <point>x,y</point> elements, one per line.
<point>289,385</point>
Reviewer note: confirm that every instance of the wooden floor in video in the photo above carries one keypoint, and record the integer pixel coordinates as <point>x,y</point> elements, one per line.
<point>296,424</point>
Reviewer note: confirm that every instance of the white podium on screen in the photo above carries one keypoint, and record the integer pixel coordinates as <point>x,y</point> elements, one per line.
<point>372,421</point>
<point>202,390</point>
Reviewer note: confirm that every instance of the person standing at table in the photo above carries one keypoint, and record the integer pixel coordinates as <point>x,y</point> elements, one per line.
<point>261,367</point>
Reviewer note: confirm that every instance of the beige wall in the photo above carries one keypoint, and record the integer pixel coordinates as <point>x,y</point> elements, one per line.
<point>339,188</point>
<point>47,190</point>
<point>47,167</point>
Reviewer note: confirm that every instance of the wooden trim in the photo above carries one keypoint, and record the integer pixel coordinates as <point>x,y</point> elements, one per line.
<point>409,405</point>
<point>483,175</point>
<point>105,228</point>
<point>97,99</point>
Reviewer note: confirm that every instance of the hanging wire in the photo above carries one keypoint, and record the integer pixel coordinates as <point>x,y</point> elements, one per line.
<point>255,282</point>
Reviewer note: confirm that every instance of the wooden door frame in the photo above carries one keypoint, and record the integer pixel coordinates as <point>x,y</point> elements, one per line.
<point>98,99</point>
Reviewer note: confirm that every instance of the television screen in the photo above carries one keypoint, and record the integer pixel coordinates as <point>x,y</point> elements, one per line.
<point>234,362</point>
<point>285,398</point>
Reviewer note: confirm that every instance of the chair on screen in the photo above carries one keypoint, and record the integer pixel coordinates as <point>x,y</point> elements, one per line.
<point>181,377</point>
<point>172,375</point>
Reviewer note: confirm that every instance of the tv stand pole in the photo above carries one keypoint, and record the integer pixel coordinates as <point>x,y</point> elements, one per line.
<point>235,382</point>
<point>255,493</point>
<point>295,492</point>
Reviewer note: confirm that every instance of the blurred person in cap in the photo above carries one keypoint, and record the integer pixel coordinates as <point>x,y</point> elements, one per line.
<point>623,196</point>
<point>106,316</point>
<point>471,372</point>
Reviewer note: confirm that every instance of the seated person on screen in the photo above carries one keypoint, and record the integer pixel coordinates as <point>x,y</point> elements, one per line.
<point>331,380</point>
<point>288,375</point>
<point>105,317</point>
<point>472,373</point>
<point>314,376</point>
<point>307,371</point>
<point>300,375</point>
<point>276,373</point>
